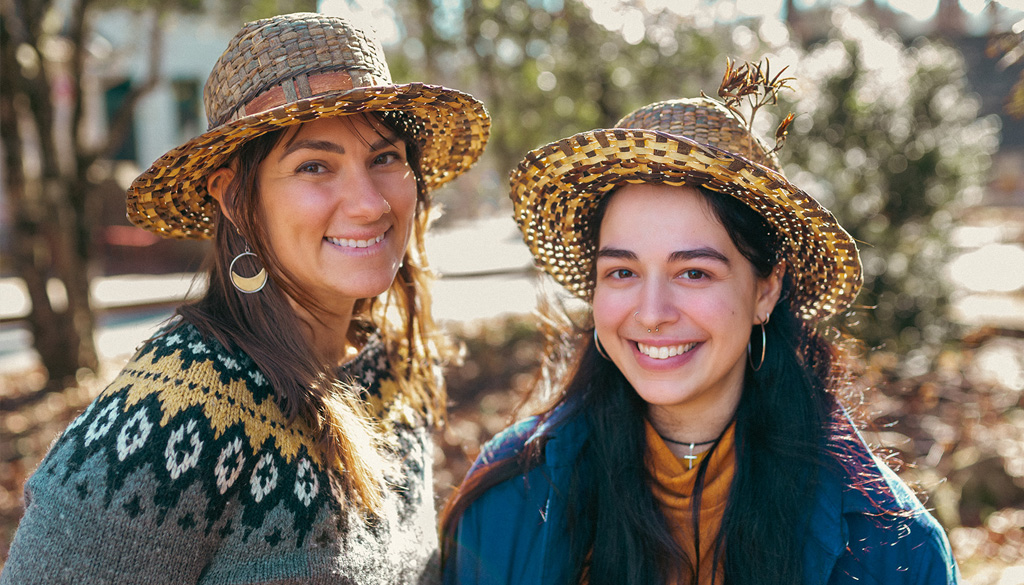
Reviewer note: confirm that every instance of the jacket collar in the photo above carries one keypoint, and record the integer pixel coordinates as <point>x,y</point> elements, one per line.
<point>566,435</point>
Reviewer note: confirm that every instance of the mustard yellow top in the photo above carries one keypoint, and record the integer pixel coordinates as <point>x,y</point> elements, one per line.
<point>673,487</point>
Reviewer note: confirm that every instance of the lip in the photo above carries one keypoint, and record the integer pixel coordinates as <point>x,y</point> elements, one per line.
<point>665,351</point>
<point>360,243</point>
<point>669,362</point>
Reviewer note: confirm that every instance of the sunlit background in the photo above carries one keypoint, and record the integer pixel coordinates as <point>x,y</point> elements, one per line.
<point>907,127</point>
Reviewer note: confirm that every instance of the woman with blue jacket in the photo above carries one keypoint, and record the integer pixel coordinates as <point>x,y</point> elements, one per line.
<point>699,435</point>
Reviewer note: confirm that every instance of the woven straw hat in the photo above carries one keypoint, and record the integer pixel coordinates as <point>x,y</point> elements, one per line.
<point>287,70</point>
<point>699,141</point>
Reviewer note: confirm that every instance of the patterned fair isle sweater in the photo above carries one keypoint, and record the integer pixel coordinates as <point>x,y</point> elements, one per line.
<point>184,470</point>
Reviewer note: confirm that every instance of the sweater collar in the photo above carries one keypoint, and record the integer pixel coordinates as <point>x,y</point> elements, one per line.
<point>364,369</point>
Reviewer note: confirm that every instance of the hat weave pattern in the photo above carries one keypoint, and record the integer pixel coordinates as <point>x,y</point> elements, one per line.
<point>284,71</point>
<point>557,188</point>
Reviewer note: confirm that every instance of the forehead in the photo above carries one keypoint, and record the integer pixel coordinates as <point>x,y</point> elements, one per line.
<point>660,216</point>
<point>362,126</point>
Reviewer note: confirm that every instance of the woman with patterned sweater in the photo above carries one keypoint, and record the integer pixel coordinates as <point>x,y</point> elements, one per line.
<point>277,430</point>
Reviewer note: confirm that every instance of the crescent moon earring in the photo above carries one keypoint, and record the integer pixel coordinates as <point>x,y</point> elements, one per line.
<point>247,284</point>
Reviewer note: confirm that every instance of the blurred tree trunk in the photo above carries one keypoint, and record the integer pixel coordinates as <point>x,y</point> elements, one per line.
<point>423,11</point>
<point>54,204</point>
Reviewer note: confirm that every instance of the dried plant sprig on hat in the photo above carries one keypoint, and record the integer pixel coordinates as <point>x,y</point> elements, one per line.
<point>755,83</point>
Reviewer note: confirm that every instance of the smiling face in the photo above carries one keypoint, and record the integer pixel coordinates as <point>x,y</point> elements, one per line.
<point>665,263</point>
<point>338,198</point>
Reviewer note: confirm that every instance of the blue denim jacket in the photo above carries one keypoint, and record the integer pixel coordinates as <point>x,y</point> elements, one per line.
<point>515,532</point>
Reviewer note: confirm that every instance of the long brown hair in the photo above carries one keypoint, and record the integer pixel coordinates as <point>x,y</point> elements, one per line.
<point>265,326</point>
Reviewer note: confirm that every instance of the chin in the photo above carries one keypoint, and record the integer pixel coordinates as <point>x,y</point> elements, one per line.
<point>659,395</point>
<point>365,287</point>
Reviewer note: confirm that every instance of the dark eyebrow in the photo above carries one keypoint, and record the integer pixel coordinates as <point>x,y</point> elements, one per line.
<point>324,145</point>
<point>616,253</point>
<point>384,142</point>
<point>328,146</point>
<point>680,255</point>
<point>706,253</point>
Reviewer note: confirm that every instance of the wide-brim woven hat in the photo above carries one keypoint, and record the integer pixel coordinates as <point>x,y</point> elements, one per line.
<point>287,70</point>
<point>699,141</point>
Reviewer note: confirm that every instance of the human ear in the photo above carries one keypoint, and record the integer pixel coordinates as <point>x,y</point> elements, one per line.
<point>217,186</point>
<point>769,290</point>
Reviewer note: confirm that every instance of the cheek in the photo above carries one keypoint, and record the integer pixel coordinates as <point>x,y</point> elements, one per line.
<point>284,207</point>
<point>281,221</point>
<point>402,200</point>
<point>610,308</point>
<point>714,308</point>
<point>725,317</point>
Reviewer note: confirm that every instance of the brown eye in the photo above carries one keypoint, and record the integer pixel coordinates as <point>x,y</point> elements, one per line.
<point>693,274</point>
<point>311,167</point>
<point>621,273</point>
<point>386,158</point>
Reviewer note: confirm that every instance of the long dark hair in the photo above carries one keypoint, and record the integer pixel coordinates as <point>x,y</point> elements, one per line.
<point>266,327</point>
<point>617,531</point>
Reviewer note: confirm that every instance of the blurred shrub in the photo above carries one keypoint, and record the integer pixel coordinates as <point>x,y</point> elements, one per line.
<point>888,138</point>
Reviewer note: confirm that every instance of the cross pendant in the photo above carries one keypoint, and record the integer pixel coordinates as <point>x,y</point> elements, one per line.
<point>691,457</point>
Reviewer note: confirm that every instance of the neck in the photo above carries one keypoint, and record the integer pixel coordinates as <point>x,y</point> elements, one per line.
<point>328,332</point>
<point>692,445</point>
<point>687,436</point>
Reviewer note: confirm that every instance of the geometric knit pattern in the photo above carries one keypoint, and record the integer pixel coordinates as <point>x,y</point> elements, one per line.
<point>184,470</point>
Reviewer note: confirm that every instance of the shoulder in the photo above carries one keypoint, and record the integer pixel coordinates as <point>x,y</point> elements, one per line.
<point>501,536</point>
<point>890,536</point>
<point>394,395</point>
<point>182,355</point>
<point>527,486</point>
<point>183,382</point>
<point>561,430</point>
<point>186,433</point>
<point>508,443</point>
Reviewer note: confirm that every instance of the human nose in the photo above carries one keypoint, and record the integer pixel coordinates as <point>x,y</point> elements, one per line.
<point>655,307</point>
<point>363,198</point>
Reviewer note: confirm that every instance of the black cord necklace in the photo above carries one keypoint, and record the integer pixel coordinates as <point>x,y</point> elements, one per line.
<point>690,458</point>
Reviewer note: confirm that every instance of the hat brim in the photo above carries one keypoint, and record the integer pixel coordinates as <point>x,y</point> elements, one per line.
<point>556,189</point>
<point>171,200</point>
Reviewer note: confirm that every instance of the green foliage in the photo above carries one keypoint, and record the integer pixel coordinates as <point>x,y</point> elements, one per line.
<point>888,138</point>
<point>547,69</point>
<point>233,11</point>
<point>247,10</point>
<point>187,6</point>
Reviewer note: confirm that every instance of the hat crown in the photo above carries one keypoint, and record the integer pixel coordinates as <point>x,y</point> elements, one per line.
<point>283,51</point>
<point>705,121</point>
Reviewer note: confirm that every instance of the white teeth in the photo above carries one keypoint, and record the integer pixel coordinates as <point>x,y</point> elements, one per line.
<point>665,351</point>
<point>348,243</point>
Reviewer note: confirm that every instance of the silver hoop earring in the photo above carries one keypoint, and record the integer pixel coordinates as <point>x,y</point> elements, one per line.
<point>635,318</point>
<point>600,350</point>
<point>764,345</point>
<point>247,284</point>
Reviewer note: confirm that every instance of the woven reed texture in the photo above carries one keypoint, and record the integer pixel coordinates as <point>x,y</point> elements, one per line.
<point>284,71</point>
<point>556,189</point>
